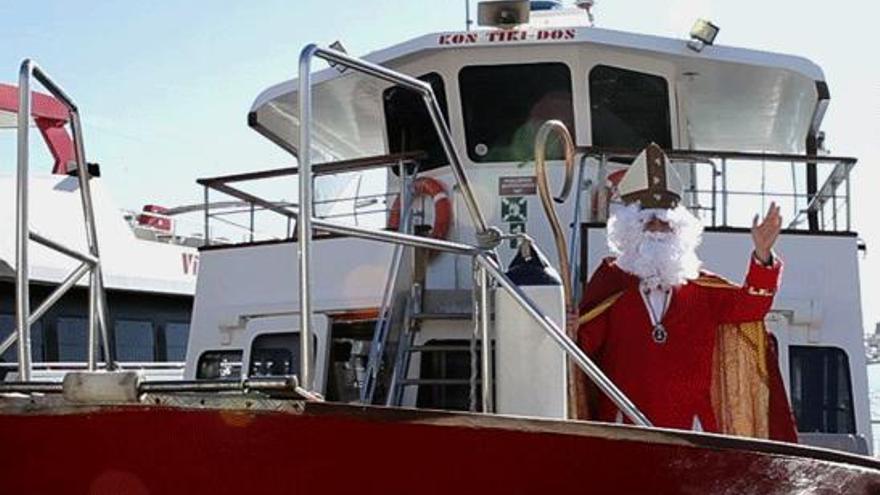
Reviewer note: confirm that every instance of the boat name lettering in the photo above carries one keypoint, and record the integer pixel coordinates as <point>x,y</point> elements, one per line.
<point>506,36</point>
<point>190,263</point>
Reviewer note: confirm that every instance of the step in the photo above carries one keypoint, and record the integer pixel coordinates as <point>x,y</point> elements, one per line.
<point>447,301</point>
<point>443,316</point>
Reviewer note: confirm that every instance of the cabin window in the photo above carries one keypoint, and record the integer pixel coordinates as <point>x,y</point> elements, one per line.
<point>409,126</point>
<point>7,326</point>
<point>176,336</point>
<point>449,365</point>
<point>72,336</point>
<point>275,354</point>
<point>629,109</point>
<point>503,106</point>
<point>135,340</point>
<point>219,365</point>
<point>821,391</point>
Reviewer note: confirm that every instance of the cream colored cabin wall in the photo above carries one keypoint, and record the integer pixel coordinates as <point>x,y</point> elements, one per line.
<point>449,271</point>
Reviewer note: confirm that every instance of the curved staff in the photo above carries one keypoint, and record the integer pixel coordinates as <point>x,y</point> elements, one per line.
<point>544,191</point>
<point>576,400</point>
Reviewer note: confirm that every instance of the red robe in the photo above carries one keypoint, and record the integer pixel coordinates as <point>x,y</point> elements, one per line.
<point>676,383</point>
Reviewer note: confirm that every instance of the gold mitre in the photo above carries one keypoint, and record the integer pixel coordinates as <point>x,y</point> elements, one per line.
<point>651,181</point>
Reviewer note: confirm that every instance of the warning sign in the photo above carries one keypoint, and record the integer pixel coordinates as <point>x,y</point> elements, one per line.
<point>514,209</point>
<point>517,186</point>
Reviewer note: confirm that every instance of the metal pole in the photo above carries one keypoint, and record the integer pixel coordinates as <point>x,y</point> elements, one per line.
<point>252,223</point>
<point>22,293</point>
<point>49,243</point>
<point>834,209</point>
<point>714,194</point>
<point>848,204</point>
<point>92,359</point>
<point>601,213</point>
<point>101,299</point>
<point>724,192</point>
<point>392,237</point>
<point>573,258</point>
<point>433,110</point>
<point>207,217</point>
<point>304,220</point>
<point>97,312</point>
<point>475,335</point>
<point>54,297</point>
<point>574,352</point>
<point>486,341</point>
<point>454,161</point>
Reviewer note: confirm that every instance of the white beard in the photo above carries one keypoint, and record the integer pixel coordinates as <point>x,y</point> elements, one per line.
<point>659,259</point>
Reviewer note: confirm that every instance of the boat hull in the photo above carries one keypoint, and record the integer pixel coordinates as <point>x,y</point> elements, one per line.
<point>324,449</point>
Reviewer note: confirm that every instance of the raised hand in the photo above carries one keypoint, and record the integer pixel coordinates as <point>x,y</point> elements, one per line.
<point>764,235</point>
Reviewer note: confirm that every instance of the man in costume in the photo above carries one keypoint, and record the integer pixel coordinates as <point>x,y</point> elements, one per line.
<point>688,347</point>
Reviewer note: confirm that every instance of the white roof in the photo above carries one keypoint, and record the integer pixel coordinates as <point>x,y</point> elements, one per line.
<point>741,99</point>
<point>55,212</point>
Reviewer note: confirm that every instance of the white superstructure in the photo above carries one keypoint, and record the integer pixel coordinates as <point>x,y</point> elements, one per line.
<point>741,126</point>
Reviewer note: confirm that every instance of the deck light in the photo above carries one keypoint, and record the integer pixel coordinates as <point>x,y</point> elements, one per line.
<point>703,33</point>
<point>503,13</point>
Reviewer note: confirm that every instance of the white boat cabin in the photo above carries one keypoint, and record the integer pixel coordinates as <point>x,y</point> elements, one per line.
<point>395,326</point>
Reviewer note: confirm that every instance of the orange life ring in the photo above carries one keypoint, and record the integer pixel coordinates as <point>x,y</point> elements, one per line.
<point>442,206</point>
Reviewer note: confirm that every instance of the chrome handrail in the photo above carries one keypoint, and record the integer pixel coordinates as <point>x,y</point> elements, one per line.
<point>90,263</point>
<point>571,349</point>
<point>305,220</point>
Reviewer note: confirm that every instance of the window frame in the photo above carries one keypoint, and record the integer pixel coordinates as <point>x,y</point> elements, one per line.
<point>154,338</point>
<point>826,408</point>
<point>466,134</point>
<point>670,107</point>
<point>441,93</point>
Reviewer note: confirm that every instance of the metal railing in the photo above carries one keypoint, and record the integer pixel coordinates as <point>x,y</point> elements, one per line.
<point>89,262</point>
<point>486,235</point>
<point>486,267</point>
<point>251,204</point>
<point>716,202</point>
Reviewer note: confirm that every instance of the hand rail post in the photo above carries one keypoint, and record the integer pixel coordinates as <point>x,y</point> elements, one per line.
<point>724,192</point>
<point>486,341</point>
<point>304,220</point>
<point>575,244</point>
<point>97,315</point>
<point>97,302</point>
<point>22,229</point>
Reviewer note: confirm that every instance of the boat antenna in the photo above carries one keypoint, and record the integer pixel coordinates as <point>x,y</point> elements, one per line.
<point>467,15</point>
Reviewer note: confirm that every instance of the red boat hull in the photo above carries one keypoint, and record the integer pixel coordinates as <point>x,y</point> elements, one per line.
<point>325,449</point>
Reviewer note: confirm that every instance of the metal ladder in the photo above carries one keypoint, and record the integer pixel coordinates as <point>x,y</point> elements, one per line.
<point>425,306</point>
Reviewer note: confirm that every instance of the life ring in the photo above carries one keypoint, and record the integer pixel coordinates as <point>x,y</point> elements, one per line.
<point>426,186</point>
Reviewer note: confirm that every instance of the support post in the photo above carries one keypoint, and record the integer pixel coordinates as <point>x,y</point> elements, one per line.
<point>304,220</point>
<point>22,231</point>
<point>486,341</point>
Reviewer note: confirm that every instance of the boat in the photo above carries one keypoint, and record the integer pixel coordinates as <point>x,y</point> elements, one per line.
<point>436,345</point>
<point>149,265</point>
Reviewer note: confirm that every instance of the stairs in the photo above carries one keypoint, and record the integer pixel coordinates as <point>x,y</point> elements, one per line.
<point>428,306</point>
